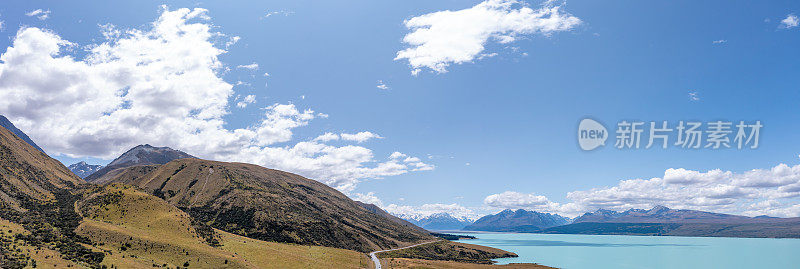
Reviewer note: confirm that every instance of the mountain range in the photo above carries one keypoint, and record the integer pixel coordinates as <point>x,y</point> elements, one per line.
<point>663,214</point>
<point>441,222</point>
<point>661,220</point>
<point>520,220</point>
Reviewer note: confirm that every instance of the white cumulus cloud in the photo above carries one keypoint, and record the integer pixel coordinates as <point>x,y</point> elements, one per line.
<point>162,85</point>
<point>442,38</point>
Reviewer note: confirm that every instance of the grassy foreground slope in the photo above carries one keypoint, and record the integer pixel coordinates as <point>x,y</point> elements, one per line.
<point>138,230</point>
<point>16,252</point>
<point>272,205</point>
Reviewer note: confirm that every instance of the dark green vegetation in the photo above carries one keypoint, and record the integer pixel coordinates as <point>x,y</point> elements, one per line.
<point>272,205</point>
<point>450,251</point>
<point>452,237</point>
<point>53,224</point>
<point>517,221</point>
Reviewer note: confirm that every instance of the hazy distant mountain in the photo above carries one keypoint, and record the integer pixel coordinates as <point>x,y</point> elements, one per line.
<point>662,214</point>
<point>139,155</point>
<point>10,126</point>
<point>83,169</point>
<point>270,205</point>
<point>661,220</point>
<point>440,222</point>
<point>517,221</point>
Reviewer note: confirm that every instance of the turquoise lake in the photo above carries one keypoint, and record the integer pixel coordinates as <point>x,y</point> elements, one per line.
<point>618,251</point>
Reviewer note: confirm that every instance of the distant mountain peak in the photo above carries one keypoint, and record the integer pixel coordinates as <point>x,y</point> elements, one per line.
<point>441,215</point>
<point>659,208</point>
<point>83,169</point>
<point>506,211</point>
<point>144,154</point>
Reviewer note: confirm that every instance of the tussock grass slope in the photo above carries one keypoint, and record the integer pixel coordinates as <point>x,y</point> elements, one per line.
<point>138,230</point>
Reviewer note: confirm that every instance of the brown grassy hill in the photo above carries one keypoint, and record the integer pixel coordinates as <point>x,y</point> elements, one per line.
<point>272,205</point>
<point>37,193</point>
<point>125,174</point>
<point>138,230</point>
<point>139,155</point>
<point>28,175</point>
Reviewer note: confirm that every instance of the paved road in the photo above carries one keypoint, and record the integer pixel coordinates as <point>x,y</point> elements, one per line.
<point>378,262</point>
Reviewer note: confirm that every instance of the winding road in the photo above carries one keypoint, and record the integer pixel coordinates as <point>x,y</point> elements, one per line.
<point>378,261</point>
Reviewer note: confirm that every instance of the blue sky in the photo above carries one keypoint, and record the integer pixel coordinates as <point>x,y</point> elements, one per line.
<point>499,124</point>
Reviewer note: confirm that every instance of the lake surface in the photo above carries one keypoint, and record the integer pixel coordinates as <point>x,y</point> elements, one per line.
<point>619,251</point>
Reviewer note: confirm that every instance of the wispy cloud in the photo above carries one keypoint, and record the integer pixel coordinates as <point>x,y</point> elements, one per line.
<point>39,13</point>
<point>252,66</point>
<point>279,12</point>
<point>382,85</point>
<point>694,96</point>
<point>721,41</point>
